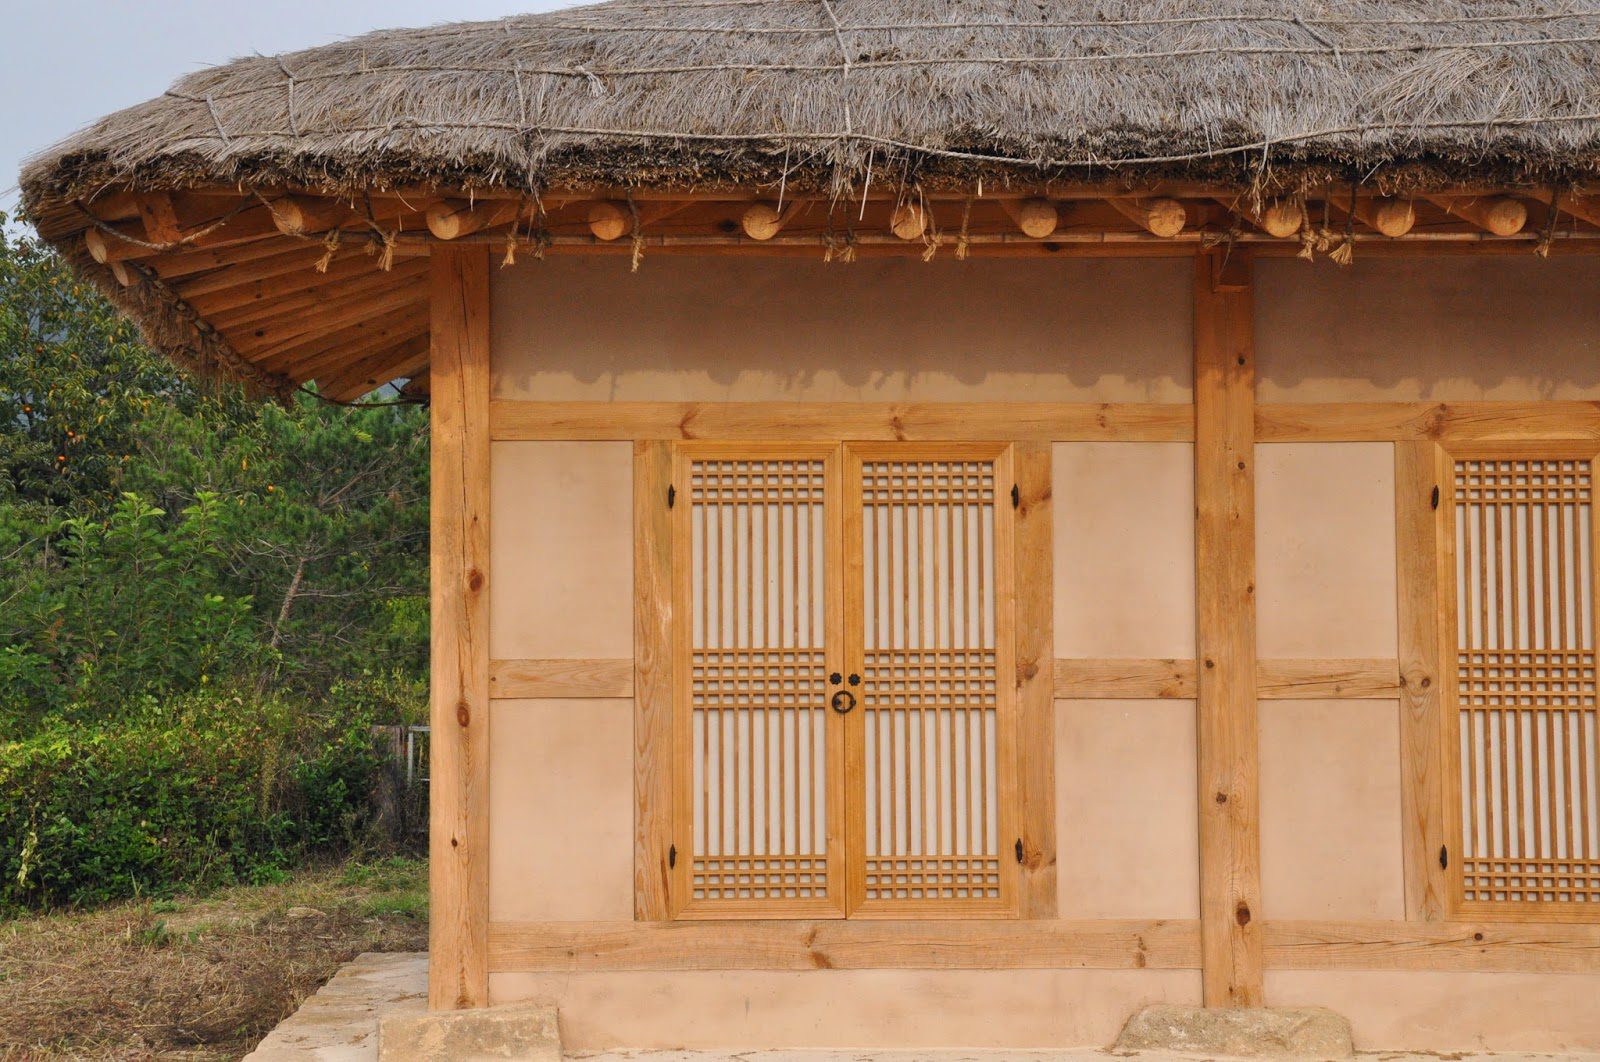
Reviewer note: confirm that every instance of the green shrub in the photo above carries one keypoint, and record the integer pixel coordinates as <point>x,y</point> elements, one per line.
<point>201,792</point>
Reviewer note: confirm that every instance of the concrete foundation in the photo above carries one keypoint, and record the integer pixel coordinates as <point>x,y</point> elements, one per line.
<point>522,1032</point>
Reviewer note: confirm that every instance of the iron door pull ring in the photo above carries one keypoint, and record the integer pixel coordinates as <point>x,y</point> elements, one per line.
<point>843,701</point>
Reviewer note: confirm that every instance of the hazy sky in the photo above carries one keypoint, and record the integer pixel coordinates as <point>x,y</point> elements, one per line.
<point>67,62</point>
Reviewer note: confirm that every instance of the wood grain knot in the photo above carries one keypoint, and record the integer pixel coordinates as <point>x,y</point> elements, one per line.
<point>1242,914</point>
<point>463,713</point>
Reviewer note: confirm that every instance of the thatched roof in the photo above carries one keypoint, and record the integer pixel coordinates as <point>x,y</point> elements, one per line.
<point>697,90</point>
<point>834,94</point>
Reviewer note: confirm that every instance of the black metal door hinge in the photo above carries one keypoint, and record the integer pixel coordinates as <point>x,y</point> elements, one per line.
<point>1019,849</point>
<point>1435,497</point>
<point>1444,857</point>
<point>672,856</point>
<point>1016,496</point>
<point>672,495</point>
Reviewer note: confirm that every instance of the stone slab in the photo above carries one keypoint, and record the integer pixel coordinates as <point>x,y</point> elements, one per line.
<point>519,1033</point>
<point>1239,1032</point>
<point>340,1022</point>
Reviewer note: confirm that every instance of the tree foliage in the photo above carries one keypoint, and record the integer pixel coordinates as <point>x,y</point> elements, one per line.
<point>177,558</point>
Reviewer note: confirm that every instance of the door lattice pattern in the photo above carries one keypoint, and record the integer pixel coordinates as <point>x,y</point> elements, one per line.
<point>931,726</point>
<point>757,673</point>
<point>1525,679</point>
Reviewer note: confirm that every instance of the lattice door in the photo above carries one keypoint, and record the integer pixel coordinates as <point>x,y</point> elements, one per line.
<point>928,615</point>
<point>756,632</point>
<point>1523,732</point>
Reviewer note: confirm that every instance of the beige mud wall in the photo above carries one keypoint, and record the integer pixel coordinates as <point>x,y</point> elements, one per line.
<point>719,329</point>
<point>1442,329</point>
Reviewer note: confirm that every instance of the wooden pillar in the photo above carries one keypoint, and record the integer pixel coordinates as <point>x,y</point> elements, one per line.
<point>458,837</point>
<point>1419,476</point>
<point>1225,562</point>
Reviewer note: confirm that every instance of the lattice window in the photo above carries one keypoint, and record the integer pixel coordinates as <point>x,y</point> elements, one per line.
<point>1524,728</point>
<point>935,725</point>
<point>843,737</point>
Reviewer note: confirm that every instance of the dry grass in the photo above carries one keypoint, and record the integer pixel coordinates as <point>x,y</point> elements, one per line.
<point>200,978</point>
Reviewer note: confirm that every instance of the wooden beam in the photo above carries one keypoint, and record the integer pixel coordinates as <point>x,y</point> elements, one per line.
<point>560,679</point>
<point>1443,421</point>
<point>1125,679</point>
<point>844,944</point>
<point>1585,208</point>
<point>1034,538</point>
<point>1138,679</point>
<point>909,221</point>
<point>653,552</point>
<point>458,835</point>
<point>1280,218</point>
<point>1230,826</point>
<point>1298,680</point>
<point>513,419</point>
<point>1161,216</point>
<point>1418,557</point>
<point>452,219</point>
<point>1036,218</point>
<point>1499,215</point>
<point>1389,216</point>
<point>1453,946</point>
<point>302,215</point>
<point>160,218</point>
<point>763,221</point>
<point>363,375</point>
<point>116,242</point>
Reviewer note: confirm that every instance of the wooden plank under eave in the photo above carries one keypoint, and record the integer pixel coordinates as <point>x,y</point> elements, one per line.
<point>1400,421</point>
<point>652,680</point>
<point>1418,482</point>
<point>845,944</point>
<point>458,932</point>
<point>1035,651</point>
<point>1229,802</point>
<point>517,420</point>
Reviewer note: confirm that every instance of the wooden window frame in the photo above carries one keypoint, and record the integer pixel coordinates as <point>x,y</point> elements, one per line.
<point>659,786</point>
<point>1445,865</point>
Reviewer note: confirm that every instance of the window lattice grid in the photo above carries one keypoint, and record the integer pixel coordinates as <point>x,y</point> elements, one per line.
<point>937,878</point>
<point>1526,681</point>
<point>757,679</point>
<point>1531,881</point>
<point>760,877</point>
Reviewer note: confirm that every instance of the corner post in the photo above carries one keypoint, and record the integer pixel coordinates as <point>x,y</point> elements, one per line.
<point>458,834</point>
<point>1225,561</point>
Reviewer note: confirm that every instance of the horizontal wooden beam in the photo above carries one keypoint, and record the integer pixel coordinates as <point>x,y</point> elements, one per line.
<point>840,944</point>
<point>1136,678</point>
<point>1079,678</point>
<point>1132,679</point>
<point>1455,946</point>
<point>574,947</point>
<point>560,679</point>
<point>889,422</point>
<point>1400,421</point>
<point>1289,680</point>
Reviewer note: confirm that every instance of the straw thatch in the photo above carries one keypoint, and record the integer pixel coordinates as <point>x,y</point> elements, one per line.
<point>696,91</point>
<point>836,96</point>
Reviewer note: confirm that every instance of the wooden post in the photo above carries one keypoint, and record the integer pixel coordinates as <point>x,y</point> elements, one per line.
<point>1225,552</point>
<point>1419,479</point>
<point>458,836</point>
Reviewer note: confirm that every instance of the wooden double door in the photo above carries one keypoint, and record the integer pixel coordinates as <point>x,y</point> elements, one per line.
<point>843,720</point>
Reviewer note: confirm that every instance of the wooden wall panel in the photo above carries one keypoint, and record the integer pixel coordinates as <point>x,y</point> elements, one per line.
<point>458,971</point>
<point>1230,840</point>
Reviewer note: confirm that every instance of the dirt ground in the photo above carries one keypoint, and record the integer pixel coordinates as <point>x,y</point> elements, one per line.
<point>199,978</point>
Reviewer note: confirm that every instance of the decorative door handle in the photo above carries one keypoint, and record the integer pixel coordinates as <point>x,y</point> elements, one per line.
<point>843,701</point>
